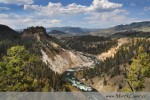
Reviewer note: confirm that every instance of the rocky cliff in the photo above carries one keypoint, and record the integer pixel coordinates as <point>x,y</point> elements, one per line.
<point>58,58</point>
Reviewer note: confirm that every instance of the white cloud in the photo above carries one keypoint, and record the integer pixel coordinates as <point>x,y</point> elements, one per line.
<point>58,8</point>
<point>100,5</point>
<point>55,21</point>
<point>4,8</point>
<point>147,8</point>
<point>18,2</point>
<point>17,21</point>
<point>102,13</point>
<point>107,19</point>
<point>99,11</point>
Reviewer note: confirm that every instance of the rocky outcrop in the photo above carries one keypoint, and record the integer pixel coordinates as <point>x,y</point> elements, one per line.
<point>34,30</point>
<point>59,59</point>
<point>65,59</point>
<point>34,33</point>
<point>112,51</point>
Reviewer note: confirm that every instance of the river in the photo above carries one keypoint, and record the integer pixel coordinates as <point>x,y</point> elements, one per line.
<point>69,77</point>
<point>87,91</point>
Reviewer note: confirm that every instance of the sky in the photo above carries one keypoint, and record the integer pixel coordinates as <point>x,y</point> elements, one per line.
<point>19,14</point>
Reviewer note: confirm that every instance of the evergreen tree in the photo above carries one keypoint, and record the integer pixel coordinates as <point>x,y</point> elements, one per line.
<point>139,69</point>
<point>14,69</point>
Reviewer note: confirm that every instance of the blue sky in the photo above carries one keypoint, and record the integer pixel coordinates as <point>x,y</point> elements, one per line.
<point>76,13</point>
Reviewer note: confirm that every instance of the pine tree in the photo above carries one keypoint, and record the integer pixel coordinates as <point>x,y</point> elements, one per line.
<point>14,68</point>
<point>139,69</point>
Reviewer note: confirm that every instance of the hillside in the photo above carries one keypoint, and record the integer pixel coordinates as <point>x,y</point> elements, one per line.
<point>89,44</point>
<point>131,34</point>
<point>112,51</point>
<point>7,32</point>
<point>111,74</point>
<point>56,32</point>
<point>71,30</point>
<point>136,26</point>
<point>54,55</point>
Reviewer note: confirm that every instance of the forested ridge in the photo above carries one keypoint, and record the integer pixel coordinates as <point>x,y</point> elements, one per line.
<point>131,34</point>
<point>90,44</point>
<point>126,57</point>
<point>125,54</point>
<point>21,67</point>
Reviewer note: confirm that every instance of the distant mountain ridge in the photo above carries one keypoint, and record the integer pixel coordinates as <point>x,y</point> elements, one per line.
<point>71,30</point>
<point>135,26</point>
<point>56,32</point>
